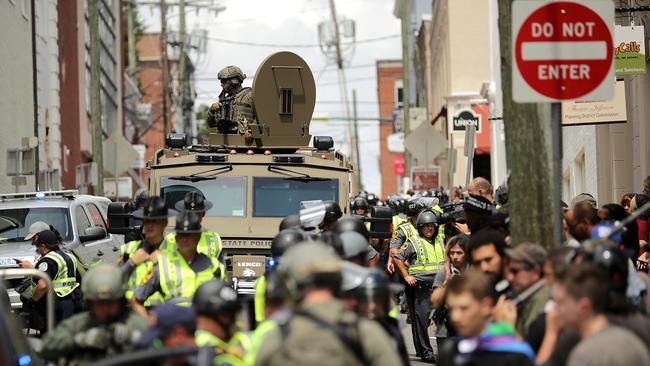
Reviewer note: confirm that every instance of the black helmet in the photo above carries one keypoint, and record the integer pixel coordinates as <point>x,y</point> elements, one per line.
<point>359,203</point>
<point>284,240</point>
<point>333,240</point>
<point>352,224</point>
<point>291,221</point>
<point>332,211</point>
<point>611,259</point>
<point>193,201</point>
<point>140,197</point>
<point>275,287</point>
<point>426,217</point>
<point>372,199</point>
<point>214,298</point>
<point>352,277</point>
<point>414,206</point>
<point>188,222</point>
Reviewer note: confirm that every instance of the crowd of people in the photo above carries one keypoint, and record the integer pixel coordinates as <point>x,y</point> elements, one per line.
<point>332,293</point>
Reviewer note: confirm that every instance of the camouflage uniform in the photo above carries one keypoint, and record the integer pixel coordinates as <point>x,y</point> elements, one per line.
<point>241,108</point>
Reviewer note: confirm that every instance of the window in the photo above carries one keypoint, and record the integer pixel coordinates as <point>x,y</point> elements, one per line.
<point>286,101</point>
<point>227,194</point>
<point>399,93</point>
<point>279,197</point>
<point>81,220</point>
<point>96,215</point>
<point>15,222</point>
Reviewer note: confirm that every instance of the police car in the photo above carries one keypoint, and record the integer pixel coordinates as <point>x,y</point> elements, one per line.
<point>80,219</point>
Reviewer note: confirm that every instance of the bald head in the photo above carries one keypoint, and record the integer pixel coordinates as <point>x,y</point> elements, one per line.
<point>480,186</point>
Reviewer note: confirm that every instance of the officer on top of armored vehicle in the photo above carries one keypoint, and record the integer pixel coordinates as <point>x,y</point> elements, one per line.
<point>235,108</point>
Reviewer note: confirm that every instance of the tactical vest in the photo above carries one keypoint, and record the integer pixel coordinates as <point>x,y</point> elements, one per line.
<point>139,274</point>
<point>65,280</point>
<point>260,299</point>
<point>398,220</point>
<point>408,229</point>
<point>210,244</point>
<point>242,106</point>
<point>178,281</point>
<point>430,257</point>
<point>234,350</point>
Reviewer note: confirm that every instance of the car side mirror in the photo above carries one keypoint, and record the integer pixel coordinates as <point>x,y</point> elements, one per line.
<point>93,233</point>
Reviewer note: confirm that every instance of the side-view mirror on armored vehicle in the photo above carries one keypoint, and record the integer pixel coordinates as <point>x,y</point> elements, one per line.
<point>93,233</point>
<point>119,215</point>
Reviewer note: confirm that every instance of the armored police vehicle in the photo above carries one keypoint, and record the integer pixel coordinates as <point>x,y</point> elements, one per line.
<point>254,183</point>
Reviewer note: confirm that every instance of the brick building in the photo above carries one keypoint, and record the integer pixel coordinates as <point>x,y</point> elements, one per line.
<point>389,96</point>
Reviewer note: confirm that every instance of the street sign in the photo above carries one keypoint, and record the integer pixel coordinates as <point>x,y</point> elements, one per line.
<point>395,142</point>
<point>425,179</point>
<point>465,117</point>
<point>118,154</point>
<point>563,50</point>
<point>425,143</point>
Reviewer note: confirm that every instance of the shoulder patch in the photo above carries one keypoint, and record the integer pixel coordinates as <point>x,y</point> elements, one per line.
<point>43,266</point>
<point>404,246</point>
<point>394,237</point>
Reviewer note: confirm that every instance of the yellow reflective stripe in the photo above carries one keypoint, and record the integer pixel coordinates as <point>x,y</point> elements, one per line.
<point>62,282</point>
<point>178,280</point>
<point>260,299</point>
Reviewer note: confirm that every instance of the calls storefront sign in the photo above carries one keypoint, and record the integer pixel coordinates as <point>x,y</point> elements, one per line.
<point>463,118</point>
<point>629,51</point>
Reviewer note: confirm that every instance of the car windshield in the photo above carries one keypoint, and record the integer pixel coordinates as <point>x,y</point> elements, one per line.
<point>15,222</point>
<point>227,194</point>
<point>279,197</point>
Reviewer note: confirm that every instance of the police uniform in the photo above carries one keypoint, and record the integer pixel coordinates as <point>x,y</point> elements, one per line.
<point>425,258</point>
<point>176,279</point>
<point>136,275</point>
<point>62,267</point>
<point>154,209</point>
<point>210,243</point>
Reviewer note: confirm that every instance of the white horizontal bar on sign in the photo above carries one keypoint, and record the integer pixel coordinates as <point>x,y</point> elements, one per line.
<point>540,51</point>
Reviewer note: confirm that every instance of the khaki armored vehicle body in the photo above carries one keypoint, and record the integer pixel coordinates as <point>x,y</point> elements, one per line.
<point>254,184</point>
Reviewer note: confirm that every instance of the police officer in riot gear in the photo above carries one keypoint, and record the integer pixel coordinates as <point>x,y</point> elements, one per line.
<point>210,243</point>
<point>109,327</point>
<point>284,240</point>
<point>425,257</point>
<point>321,331</point>
<point>138,257</point>
<point>359,206</point>
<point>235,108</point>
<point>332,214</point>
<point>179,272</point>
<point>216,323</point>
<point>367,291</point>
<point>62,267</point>
<point>404,231</point>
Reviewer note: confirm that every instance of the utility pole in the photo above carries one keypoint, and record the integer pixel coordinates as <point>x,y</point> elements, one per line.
<point>182,65</point>
<point>406,22</point>
<point>527,129</point>
<point>165,65</point>
<point>344,87</point>
<point>356,140</point>
<point>130,28</point>
<point>95,99</point>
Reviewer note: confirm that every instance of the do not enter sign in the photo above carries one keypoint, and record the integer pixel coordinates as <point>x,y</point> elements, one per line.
<point>563,50</point>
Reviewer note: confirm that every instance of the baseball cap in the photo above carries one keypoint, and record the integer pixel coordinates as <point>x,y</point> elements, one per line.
<point>168,315</point>
<point>529,253</point>
<point>36,228</point>
<point>47,237</point>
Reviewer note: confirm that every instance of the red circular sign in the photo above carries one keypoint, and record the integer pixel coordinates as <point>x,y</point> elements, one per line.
<point>563,50</point>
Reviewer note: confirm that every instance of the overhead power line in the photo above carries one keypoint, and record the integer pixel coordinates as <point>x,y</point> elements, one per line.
<point>277,45</point>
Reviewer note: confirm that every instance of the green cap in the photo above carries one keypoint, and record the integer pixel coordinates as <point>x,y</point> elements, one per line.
<point>104,282</point>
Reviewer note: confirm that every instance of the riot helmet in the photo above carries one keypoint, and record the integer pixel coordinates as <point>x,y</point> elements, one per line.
<point>426,217</point>
<point>359,203</point>
<point>354,245</point>
<point>332,211</point>
<point>140,197</point>
<point>310,264</point>
<point>103,283</point>
<point>290,221</point>
<point>214,298</point>
<point>414,206</point>
<point>284,240</point>
<point>352,224</point>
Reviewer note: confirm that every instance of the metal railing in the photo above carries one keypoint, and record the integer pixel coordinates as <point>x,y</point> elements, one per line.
<point>10,273</point>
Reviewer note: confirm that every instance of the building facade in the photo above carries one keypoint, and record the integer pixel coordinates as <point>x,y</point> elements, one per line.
<point>389,96</point>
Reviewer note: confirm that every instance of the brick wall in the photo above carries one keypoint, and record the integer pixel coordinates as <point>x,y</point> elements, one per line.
<point>388,73</point>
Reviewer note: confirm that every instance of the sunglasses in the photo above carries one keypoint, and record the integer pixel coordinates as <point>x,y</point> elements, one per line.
<point>514,271</point>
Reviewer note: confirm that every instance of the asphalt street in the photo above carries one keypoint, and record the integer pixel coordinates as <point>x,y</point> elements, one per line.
<point>408,339</point>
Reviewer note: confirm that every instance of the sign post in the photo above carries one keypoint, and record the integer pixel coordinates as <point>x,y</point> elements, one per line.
<point>563,50</point>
